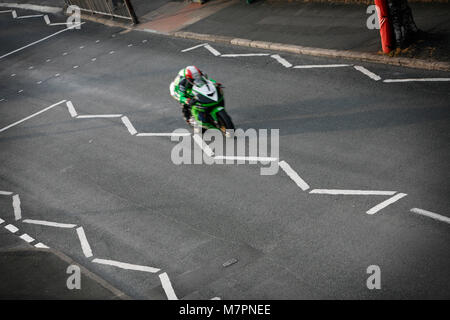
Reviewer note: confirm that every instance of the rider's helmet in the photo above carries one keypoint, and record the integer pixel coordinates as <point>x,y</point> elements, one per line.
<point>193,74</point>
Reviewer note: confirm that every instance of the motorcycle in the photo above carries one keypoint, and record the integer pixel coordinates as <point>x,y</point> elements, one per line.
<point>207,108</point>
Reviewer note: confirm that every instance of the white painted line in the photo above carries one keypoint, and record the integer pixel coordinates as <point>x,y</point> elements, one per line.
<point>167,286</point>
<point>71,108</point>
<point>32,7</point>
<point>111,52</point>
<point>75,67</point>
<point>281,60</point>
<point>39,82</point>
<point>64,54</point>
<point>36,42</point>
<point>14,14</point>
<point>416,80</point>
<point>206,149</point>
<point>384,204</point>
<point>244,158</point>
<point>126,266</point>
<point>20,91</point>
<point>13,75</point>
<point>93,59</point>
<point>16,207</point>
<point>431,215</point>
<point>27,238</point>
<point>195,47</point>
<point>33,115</point>
<point>97,41</point>
<point>368,73</point>
<point>57,75</point>
<point>170,134</point>
<point>216,298</point>
<point>91,116</point>
<point>244,55</point>
<point>40,245</point>
<point>144,41</point>
<point>30,68</point>
<point>212,50</point>
<point>130,45</point>
<point>6,11</point>
<point>84,242</point>
<point>11,228</point>
<point>50,223</point>
<point>293,175</point>
<point>5,193</point>
<point>47,19</point>
<point>48,60</point>
<point>81,47</point>
<point>128,124</point>
<point>30,16</point>
<point>1,220</point>
<point>353,192</point>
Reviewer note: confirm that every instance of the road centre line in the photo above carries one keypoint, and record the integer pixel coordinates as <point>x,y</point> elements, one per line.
<point>293,175</point>
<point>431,215</point>
<point>167,286</point>
<point>50,223</point>
<point>353,192</point>
<point>126,266</point>
<point>386,203</point>
<point>31,116</point>
<point>368,73</point>
<point>84,242</point>
<point>38,41</point>
<point>128,124</point>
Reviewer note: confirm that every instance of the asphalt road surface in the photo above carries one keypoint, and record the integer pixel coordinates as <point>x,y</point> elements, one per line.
<point>118,198</point>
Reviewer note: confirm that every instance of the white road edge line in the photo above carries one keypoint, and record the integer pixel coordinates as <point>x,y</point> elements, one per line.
<point>27,238</point>
<point>41,246</point>
<point>281,60</point>
<point>202,144</point>
<point>431,215</point>
<point>128,124</point>
<point>195,47</point>
<point>16,207</point>
<point>33,115</point>
<point>50,223</point>
<point>212,50</point>
<point>386,203</point>
<point>162,134</point>
<point>11,228</point>
<point>322,66</point>
<point>45,38</point>
<point>84,242</point>
<point>126,266</point>
<point>92,116</point>
<point>71,108</point>
<point>353,192</point>
<point>368,73</point>
<point>167,286</point>
<point>5,193</point>
<point>293,175</point>
<point>245,55</point>
<point>416,80</point>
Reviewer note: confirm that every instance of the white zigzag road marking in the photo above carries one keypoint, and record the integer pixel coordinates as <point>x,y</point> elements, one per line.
<point>167,286</point>
<point>84,243</point>
<point>431,215</point>
<point>368,73</point>
<point>386,203</point>
<point>126,266</point>
<point>50,223</point>
<point>293,175</point>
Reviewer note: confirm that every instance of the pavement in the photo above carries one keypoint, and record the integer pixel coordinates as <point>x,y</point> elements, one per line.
<point>78,177</point>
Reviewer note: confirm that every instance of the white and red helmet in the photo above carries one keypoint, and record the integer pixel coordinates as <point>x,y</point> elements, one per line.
<point>193,74</point>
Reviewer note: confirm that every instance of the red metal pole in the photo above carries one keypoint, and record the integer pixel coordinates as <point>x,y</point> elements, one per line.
<point>386,33</point>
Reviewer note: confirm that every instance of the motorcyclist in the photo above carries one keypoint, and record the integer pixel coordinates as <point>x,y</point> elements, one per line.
<point>181,87</point>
